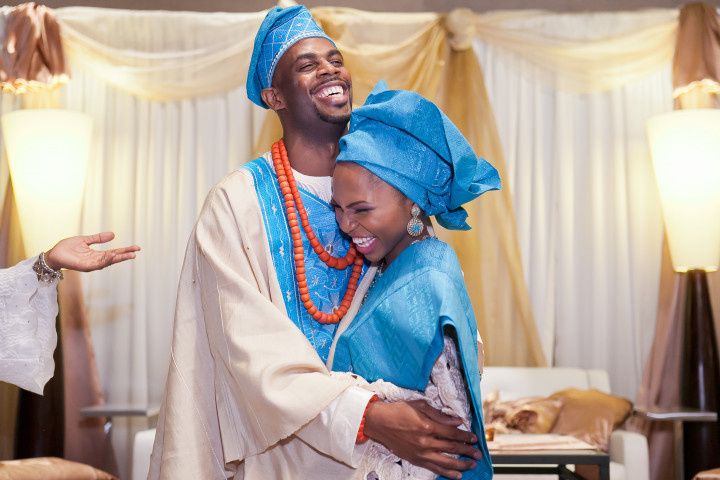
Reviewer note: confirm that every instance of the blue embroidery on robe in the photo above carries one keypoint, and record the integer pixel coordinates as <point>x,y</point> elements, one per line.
<point>327,285</point>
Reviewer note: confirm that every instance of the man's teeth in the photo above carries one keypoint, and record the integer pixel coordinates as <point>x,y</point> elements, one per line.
<point>327,91</point>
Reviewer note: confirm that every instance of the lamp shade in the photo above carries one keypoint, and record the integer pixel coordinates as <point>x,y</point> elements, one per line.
<point>48,153</point>
<point>685,147</point>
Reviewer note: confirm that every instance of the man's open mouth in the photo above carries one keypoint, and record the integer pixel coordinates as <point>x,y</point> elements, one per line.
<point>333,93</point>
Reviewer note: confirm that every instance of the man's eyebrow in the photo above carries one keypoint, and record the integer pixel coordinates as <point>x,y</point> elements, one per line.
<point>313,56</point>
<point>306,56</point>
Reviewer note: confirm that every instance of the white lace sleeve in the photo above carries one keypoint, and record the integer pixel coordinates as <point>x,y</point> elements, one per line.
<point>28,309</point>
<point>446,391</point>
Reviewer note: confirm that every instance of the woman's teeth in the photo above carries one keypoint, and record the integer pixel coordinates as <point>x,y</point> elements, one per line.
<point>363,242</point>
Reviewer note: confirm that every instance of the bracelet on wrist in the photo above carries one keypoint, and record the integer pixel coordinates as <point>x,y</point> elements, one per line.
<point>44,273</point>
<point>361,437</point>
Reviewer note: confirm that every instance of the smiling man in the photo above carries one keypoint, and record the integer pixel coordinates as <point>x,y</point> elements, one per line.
<point>266,279</point>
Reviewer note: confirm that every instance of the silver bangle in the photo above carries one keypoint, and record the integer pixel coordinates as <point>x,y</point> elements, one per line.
<point>45,274</point>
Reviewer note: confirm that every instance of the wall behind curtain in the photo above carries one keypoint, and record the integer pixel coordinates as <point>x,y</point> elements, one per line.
<point>589,221</point>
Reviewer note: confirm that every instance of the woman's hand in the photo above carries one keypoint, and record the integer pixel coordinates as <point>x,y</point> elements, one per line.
<point>74,253</point>
<point>420,434</point>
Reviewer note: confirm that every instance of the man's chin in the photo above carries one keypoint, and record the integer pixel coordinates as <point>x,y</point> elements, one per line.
<point>336,118</point>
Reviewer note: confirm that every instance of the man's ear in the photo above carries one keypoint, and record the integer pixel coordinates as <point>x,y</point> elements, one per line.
<point>273,98</point>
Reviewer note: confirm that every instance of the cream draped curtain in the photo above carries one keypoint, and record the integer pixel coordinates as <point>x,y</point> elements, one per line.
<point>588,215</point>
<point>166,91</point>
<point>178,55</point>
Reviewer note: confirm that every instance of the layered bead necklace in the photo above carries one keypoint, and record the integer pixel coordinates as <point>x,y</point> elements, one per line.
<point>294,202</point>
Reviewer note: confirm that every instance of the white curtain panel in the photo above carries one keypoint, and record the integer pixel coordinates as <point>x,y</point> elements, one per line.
<point>586,203</point>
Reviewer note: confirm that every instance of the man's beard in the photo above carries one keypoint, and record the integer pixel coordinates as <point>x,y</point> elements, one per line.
<point>341,119</point>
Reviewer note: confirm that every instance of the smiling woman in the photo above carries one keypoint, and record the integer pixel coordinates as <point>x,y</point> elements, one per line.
<point>372,212</point>
<point>402,160</point>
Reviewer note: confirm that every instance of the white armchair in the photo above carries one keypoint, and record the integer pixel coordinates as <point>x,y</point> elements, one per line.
<point>628,450</point>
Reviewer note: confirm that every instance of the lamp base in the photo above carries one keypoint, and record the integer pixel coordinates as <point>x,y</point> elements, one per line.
<point>700,376</point>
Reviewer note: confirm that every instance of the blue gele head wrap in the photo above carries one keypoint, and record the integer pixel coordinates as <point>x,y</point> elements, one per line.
<point>281,29</point>
<point>408,142</point>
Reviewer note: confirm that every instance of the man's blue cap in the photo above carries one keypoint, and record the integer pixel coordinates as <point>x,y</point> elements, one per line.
<point>408,142</point>
<point>281,29</point>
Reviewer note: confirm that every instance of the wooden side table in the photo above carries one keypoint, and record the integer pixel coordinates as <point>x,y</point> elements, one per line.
<point>678,417</point>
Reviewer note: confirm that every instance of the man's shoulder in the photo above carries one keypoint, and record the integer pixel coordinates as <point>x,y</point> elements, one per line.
<point>243,178</point>
<point>236,190</point>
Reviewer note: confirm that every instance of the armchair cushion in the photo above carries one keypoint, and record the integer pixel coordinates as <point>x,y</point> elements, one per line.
<point>50,468</point>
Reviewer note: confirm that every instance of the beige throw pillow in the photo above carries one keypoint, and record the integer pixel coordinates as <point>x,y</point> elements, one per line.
<point>590,415</point>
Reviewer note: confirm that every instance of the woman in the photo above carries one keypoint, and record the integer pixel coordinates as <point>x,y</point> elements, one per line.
<point>415,334</point>
<point>28,306</point>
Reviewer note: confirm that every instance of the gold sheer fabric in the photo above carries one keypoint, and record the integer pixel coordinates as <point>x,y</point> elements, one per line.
<point>696,65</point>
<point>580,65</point>
<point>213,50</point>
<point>32,56</point>
<point>202,54</point>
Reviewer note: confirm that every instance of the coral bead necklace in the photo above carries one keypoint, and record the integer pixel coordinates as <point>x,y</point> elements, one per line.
<point>293,201</point>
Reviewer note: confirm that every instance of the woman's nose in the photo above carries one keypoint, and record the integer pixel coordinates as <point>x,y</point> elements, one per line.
<point>347,223</point>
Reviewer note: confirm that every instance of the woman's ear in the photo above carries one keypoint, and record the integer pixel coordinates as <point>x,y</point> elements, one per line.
<point>273,98</point>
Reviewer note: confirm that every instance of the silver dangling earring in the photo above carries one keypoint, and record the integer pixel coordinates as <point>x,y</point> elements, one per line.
<point>415,225</point>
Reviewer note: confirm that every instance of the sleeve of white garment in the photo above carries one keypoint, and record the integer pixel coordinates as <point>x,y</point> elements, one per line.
<point>334,431</point>
<point>28,309</point>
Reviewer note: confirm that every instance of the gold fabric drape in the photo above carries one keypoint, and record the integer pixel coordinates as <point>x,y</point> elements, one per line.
<point>696,66</point>
<point>696,70</point>
<point>32,55</point>
<point>415,51</point>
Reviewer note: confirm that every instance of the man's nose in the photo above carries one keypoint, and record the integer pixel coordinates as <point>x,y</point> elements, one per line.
<point>327,68</point>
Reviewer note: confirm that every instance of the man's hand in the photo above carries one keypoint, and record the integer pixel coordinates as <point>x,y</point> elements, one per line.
<point>74,253</point>
<point>420,434</point>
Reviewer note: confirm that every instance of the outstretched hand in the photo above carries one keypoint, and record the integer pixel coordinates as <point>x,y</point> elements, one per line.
<point>420,434</point>
<point>74,253</point>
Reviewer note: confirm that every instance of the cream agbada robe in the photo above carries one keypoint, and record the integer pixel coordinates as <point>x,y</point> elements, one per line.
<point>247,396</point>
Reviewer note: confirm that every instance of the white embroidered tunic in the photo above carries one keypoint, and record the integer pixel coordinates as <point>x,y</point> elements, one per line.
<point>28,309</point>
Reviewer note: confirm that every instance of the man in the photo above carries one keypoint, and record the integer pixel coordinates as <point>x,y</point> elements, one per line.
<point>248,395</point>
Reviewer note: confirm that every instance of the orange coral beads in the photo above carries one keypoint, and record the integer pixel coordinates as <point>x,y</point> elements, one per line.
<point>293,201</point>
